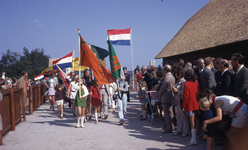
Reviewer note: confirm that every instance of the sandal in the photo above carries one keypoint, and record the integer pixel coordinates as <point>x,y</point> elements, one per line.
<point>96,122</point>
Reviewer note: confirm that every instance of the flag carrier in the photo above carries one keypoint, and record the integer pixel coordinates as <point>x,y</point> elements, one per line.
<point>152,102</point>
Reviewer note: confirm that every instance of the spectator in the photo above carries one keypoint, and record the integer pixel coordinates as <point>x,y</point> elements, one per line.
<point>199,70</point>
<point>138,77</point>
<point>3,75</point>
<point>190,104</point>
<point>207,76</point>
<point>225,81</point>
<point>227,105</point>
<point>180,63</point>
<point>182,120</point>
<point>240,77</point>
<point>216,62</point>
<point>188,65</point>
<point>23,84</point>
<point>166,95</point>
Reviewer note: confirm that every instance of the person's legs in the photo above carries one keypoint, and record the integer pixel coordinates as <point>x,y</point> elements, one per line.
<point>105,104</point>
<point>120,109</point>
<point>96,114</point>
<point>124,102</point>
<point>83,110</point>
<point>58,110</point>
<point>89,109</point>
<point>53,99</point>
<point>230,135</point>
<point>62,110</point>
<point>167,117</point>
<point>143,111</point>
<point>193,129</point>
<point>209,143</point>
<point>51,102</point>
<point>179,120</point>
<point>79,116</point>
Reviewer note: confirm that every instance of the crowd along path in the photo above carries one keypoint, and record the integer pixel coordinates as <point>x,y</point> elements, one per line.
<point>44,130</point>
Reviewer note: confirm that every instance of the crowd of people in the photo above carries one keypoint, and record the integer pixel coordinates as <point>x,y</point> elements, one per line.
<point>206,100</point>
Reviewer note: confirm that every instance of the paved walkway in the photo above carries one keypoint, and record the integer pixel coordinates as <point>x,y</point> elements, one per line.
<point>44,130</point>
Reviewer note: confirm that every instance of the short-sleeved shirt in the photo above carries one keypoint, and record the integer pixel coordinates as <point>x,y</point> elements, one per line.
<point>143,100</point>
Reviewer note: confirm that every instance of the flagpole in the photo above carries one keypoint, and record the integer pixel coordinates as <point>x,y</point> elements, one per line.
<point>79,73</point>
<point>73,61</point>
<point>131,44</point>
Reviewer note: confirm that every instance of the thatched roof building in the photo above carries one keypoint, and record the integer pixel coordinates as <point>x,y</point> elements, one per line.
<point>218,29</point>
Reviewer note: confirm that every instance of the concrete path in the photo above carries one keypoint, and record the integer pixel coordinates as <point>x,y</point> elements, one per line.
<point>44,130</point>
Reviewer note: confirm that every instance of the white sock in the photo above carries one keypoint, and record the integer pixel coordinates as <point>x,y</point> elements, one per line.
<point>61,115</point>
<point>193,132</point>
<point>82,121</point>
<point>96,116</point>
<point>144,114</point>
<point>78,121</point>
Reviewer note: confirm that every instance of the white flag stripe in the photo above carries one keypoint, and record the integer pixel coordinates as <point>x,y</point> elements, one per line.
<point>119,37</point>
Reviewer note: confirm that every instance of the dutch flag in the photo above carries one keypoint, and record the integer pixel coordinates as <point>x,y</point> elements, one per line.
<point>39,77</point>
<point>120,36</point>
<point>64,62</point>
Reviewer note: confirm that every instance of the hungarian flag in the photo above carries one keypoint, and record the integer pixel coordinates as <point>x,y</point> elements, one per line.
<point>100,52</point>
<point>116,70</point>
<point>88,58</point>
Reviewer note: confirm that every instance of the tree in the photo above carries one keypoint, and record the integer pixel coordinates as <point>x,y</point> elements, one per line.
<point>33,62</point>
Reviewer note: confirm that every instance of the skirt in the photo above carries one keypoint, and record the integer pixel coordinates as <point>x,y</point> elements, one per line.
<point>80,102</point>
<point>73,95</point>
<point>96,101</point>
<point>51,91</point>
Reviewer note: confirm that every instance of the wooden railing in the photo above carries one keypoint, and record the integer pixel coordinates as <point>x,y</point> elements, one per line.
<point>10,106</point>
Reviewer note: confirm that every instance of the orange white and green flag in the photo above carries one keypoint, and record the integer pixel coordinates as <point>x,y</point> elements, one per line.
<point>89,59</point>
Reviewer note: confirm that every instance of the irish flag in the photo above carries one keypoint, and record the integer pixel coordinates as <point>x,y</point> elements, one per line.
<point>120,36</point>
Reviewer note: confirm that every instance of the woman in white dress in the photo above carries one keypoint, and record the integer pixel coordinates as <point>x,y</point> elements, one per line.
<point>73,87</point>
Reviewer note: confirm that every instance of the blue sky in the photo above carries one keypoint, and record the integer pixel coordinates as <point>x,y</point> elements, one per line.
<point>52,25</point>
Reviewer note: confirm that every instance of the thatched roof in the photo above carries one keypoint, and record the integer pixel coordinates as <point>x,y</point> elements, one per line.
<point>219,22</point>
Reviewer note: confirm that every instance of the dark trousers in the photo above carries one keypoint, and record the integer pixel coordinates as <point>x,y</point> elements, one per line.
<point>128,96</point>
<point>68,100</point>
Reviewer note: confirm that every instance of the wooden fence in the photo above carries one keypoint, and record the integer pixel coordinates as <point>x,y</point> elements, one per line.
<point>10,106</point>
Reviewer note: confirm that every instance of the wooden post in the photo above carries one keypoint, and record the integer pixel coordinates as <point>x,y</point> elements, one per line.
<point>23,104</point>
<point>42,94</point>
<point>12,108</point>
<point>39,96</point>
<point>1,138</point>
<point>30,100</point>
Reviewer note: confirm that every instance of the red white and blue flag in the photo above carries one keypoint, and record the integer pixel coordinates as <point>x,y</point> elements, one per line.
<point>39,77</point>
<point>64,62</point>
<point>63,77</point>
<point>120,36</point>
